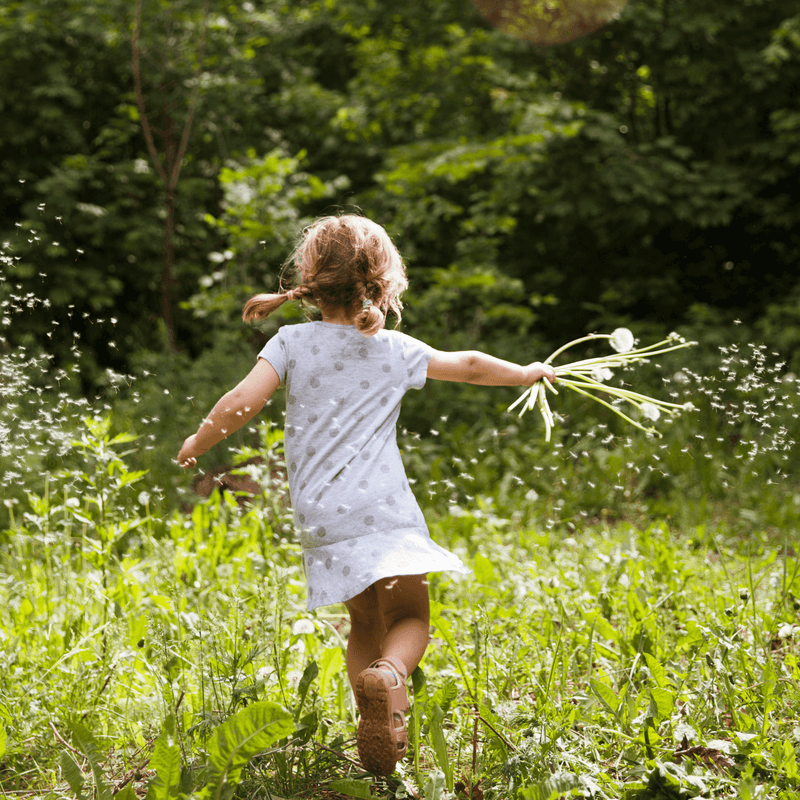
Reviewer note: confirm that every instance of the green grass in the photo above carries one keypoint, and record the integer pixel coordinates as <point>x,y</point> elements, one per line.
<point>637,661</point>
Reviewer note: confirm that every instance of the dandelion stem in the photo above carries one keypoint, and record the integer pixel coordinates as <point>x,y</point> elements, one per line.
<point>614,409</point>
<point>588,338</point>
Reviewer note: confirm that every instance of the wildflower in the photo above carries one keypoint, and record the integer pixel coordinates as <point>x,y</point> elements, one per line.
<point>303,626</point>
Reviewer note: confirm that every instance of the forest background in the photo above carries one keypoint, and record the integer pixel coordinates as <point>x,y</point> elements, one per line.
<point>157,161</point>
<point>643,176</point>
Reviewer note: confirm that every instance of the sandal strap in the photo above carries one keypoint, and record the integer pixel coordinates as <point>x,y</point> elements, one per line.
<point>398,694</point>
<point>396,667</point>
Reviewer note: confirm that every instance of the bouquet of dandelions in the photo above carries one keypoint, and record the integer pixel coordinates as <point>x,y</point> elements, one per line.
<point>587,377</point>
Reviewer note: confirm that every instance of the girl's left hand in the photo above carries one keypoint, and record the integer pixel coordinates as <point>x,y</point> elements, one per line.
<point>187,457</point>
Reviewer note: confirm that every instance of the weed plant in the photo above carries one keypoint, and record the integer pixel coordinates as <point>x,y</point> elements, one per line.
<point>627,661</point>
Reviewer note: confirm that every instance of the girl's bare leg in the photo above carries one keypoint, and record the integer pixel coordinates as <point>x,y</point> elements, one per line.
<point>403,602</point>
<point>390,619</point>
<point>367,631</point>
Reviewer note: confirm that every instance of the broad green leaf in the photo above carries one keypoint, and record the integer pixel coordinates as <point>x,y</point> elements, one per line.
<point>674,781</point>
<point>438,741</point>
<point>656,670</point>
<point>552,788</point>
<point>331,663</point>
<point>435,786</point>
<point>603,627</point>
<point>484,571</point>
<point>127,792</point>
<point>445,695</point>
<point>309,674</point>
<point>3,740</point>
<point>664,702</point>
<point>606,695</point>
<point>87,744</point>
<point>242,736</point>
<point>166,761</point>
<point>352,787</point>
<point>72,772</point>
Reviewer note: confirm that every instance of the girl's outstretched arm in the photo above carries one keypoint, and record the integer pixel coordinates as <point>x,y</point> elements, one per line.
<point>472,366</point>
<point>231,412</point>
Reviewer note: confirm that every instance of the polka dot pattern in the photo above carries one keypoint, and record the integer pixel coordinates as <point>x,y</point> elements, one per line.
<point>355,516</point>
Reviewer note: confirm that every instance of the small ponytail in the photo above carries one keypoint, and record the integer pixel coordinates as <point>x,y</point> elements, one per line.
<point>261,306</point>
<point>370,319</point>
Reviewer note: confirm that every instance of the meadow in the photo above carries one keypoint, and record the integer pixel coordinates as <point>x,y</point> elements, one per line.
<point>162,656</point>
<point>629,628</point>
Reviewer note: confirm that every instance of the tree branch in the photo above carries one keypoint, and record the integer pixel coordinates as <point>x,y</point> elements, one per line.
<point>176,167</point>
<point>137,87</point>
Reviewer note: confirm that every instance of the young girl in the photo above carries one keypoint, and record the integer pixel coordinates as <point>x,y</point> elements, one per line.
<point>364,539</point>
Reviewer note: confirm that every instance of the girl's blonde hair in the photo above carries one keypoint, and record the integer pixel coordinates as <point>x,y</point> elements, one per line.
<point>346,262</point>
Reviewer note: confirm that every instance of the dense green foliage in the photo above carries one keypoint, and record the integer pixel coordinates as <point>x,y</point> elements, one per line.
<point>168,653</point>
<point>644,175</point>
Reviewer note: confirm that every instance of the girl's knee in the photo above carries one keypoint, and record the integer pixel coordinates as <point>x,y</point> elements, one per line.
<point>403,597</point>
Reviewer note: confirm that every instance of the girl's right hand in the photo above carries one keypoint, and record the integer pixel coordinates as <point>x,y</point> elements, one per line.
<point>536,371</point>
<point>187,458</point>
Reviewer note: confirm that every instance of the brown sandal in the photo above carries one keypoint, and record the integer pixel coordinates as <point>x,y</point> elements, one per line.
<point>382,702</point>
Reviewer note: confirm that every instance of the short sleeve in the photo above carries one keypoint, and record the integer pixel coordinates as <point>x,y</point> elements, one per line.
<point>274,351</point>
<point>417,356</point>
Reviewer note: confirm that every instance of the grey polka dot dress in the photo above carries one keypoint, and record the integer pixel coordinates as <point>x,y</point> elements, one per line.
<point>357,517</point>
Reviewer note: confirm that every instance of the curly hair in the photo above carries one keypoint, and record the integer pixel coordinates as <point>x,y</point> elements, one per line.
<point>346,262</point>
